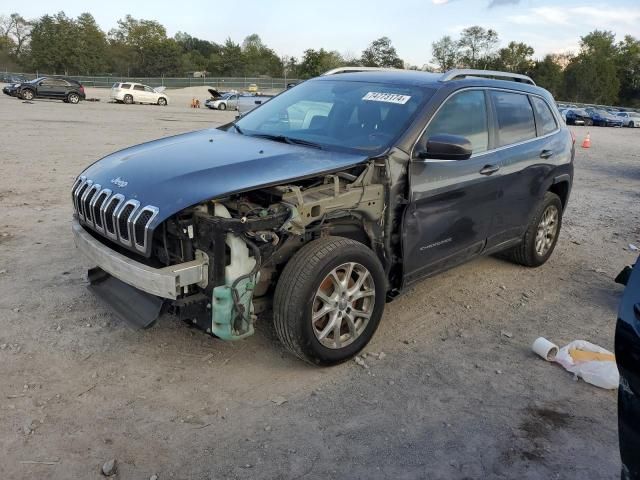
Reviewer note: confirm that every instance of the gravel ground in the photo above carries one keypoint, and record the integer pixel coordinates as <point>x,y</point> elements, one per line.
<point>456,394</point>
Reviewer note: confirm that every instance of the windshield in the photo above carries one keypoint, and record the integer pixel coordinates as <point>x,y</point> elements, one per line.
<point>361,116</point>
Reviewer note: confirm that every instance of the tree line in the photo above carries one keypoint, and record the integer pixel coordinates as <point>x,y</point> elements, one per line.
<point>604,70</point>
<point>59,44</point>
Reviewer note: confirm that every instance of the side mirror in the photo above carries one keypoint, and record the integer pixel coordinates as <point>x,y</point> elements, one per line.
<point>446,147</point>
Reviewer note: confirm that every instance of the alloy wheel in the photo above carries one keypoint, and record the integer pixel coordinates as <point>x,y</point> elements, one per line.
<point>343,305</point>
<point>547,230</point>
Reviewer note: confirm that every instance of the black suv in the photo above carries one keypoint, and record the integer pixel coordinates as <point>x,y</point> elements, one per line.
<point>325,202</point>
<point>65,89</point>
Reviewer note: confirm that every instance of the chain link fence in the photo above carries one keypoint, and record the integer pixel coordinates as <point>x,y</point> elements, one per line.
<point>224,83</point>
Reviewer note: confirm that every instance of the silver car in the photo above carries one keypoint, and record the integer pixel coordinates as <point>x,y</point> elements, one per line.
<point>630,119</point>
<point>222,101</point>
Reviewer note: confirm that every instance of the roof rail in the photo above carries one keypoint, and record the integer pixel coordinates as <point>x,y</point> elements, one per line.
<point>463,73</point>
<point>357,69</point>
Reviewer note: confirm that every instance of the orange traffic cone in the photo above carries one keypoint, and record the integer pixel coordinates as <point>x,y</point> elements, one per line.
<point>587,141</point>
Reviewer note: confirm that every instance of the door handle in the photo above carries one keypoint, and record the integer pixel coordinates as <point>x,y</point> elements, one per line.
<point>489,169</point>
<point>546,153</point>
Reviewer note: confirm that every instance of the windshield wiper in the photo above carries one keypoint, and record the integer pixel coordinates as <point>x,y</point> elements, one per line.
<point>289,140</point>
<point>238,129</point>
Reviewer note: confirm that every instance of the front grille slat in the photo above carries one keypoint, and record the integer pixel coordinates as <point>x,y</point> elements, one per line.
<point>79,197</point>
<point>121,220</point>
<point>97,215</point>
<point>140,226</point>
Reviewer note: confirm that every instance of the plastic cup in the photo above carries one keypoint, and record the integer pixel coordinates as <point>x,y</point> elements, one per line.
<point>545,349</point>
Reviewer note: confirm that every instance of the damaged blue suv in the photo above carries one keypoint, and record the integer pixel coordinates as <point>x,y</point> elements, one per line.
<point>326,202</point>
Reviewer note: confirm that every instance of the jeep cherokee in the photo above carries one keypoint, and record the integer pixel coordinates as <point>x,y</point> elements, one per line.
<point>326,202</point>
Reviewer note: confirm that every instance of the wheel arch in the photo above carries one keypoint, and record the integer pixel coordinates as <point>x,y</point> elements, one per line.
<point>561,187</point>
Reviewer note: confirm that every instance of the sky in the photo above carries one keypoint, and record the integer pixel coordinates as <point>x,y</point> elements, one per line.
<point>291,26</point>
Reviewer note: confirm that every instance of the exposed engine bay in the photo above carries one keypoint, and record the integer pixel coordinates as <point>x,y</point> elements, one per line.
<point>248,237</point>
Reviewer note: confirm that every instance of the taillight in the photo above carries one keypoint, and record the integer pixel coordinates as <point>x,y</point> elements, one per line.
<point>81,89</point>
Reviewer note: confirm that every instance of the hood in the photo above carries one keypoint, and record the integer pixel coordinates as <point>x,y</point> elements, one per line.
<point>160,89</point>
<point>177,172</point>
<point>214,93</point>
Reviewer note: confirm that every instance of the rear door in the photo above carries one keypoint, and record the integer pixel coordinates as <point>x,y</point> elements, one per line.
<point>139,94</point>
<point>529,141</point>
<point>232,103</point>
<point>452,201</point>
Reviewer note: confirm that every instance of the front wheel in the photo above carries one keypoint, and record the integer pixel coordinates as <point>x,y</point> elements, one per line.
<point>329,300</point>
<point>222,106</point>
<point>541,236</point>
<point>27,94</point>
<point>588,123</point>
<point>631,125</point>
<point>162,101</point>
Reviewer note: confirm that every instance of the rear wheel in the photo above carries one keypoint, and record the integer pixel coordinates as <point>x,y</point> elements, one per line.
<point>329,300</point>
<point>162,101</point>
<point>222,106</point>
<point>588,122</point>
<point>27,94</point>
<point>128,99</point>
<point>541,236</point>
<point>73,98</point>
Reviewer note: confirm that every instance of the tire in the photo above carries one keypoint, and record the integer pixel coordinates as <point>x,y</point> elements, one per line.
<point>306,278</point>
<point>631,125</point>
<point>527,253</point>
<point>128,99</point>
<point>162,101</point>
<point>222,106</point>
<point>27,94</point>
<point>588,123</point>
<point>73,98</point>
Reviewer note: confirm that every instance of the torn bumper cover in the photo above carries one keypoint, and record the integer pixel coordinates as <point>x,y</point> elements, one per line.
<point>168,282</point>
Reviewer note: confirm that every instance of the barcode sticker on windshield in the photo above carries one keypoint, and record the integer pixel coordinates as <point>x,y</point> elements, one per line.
<point>386,97</point>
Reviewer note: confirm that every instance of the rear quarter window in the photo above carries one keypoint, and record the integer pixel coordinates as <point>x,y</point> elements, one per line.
<point>515,117</point>
<point>545,117</point>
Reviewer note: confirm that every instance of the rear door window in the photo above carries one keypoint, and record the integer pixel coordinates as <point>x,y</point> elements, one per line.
<point>515,117</point>
<point>125,85</point>
<point>138,87</point>
<point>465,115</point>
<point>546,120</point>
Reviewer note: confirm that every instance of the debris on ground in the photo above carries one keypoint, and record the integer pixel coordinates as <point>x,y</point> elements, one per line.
<point>633,248</point>
<point>594,364</point>
<point>505,333</point>
<point>279,400</point>
<point>109,468</point>
<point>360,362</point>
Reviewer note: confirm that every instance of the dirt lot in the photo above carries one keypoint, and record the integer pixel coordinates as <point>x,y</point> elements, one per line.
<point>452,397</point>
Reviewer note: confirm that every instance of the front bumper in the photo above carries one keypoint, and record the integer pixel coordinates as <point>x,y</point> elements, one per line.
<point>168,282</point>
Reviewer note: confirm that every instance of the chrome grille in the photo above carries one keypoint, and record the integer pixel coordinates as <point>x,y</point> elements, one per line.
<point>112,215</point>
